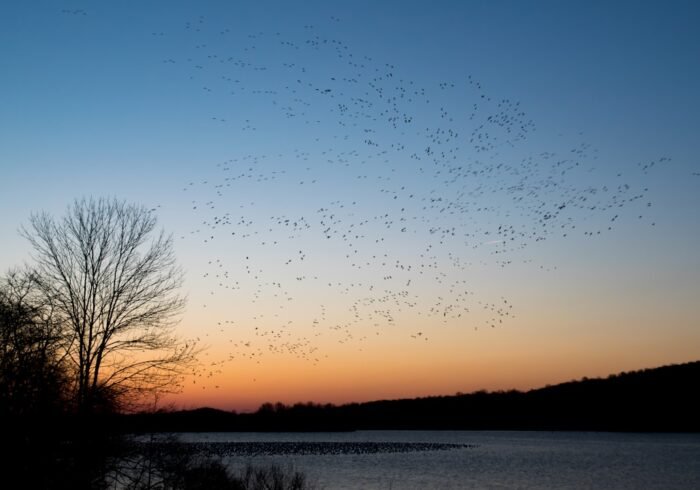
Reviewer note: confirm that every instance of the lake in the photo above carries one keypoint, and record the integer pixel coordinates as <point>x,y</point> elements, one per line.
<point>470,459</point>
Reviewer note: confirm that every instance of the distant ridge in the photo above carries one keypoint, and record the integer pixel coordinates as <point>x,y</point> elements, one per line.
<point>658,399</point>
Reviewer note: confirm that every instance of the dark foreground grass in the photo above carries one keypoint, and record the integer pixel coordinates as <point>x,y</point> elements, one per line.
<point>213,475</point>
<point>180,468</point>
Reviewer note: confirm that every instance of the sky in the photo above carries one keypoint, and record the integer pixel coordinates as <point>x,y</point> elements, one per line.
<point>377,200</point>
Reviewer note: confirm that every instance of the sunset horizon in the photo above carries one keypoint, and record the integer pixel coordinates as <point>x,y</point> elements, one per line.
<point>233,402</point>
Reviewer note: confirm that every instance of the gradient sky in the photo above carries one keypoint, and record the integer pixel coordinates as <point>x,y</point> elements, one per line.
<point>360,123</point>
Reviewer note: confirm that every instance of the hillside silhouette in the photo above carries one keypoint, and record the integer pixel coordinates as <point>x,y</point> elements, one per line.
<point>658,399</point>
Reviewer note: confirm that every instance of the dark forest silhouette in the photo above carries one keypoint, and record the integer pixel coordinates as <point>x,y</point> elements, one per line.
<point>659,399</point>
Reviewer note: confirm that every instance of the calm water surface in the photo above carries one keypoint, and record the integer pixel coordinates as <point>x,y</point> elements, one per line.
<point>494,460</point>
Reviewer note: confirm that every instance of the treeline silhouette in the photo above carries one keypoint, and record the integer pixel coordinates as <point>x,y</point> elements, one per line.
<point>659,399</point>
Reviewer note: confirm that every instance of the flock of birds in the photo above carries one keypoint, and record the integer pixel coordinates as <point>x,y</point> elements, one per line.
<point>379,200</point>
<point>275,448</point>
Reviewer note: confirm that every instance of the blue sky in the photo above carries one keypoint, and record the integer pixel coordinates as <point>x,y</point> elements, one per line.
<point>230,117</point>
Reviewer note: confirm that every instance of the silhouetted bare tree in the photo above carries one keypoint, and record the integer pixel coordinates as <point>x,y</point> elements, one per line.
<point>114,282</point>
<point>34,386</point>
<point>32,365</point>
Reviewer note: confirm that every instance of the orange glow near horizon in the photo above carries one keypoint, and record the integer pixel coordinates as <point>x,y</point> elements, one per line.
<point>493,359</point>
<point>568,327</point>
